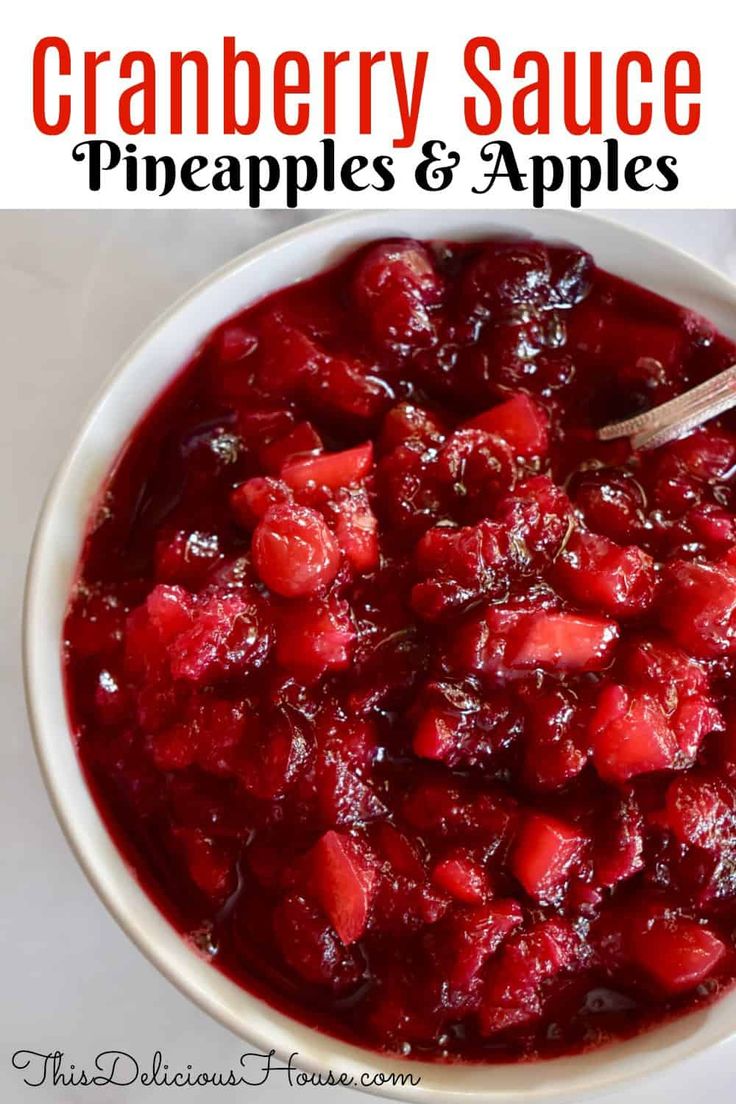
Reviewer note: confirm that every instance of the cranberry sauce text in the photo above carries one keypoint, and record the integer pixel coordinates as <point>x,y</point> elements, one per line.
<point>408,700</point>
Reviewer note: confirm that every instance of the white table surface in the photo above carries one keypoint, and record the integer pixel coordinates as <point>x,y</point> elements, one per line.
<point>75,289</point>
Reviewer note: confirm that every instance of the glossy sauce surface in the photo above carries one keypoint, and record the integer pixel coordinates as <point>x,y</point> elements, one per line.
<point>409,701</point>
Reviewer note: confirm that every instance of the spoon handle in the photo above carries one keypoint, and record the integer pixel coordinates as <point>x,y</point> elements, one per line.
<point>677,417</point>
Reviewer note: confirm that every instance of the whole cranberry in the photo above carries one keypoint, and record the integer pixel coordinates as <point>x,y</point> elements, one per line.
<point>395,286</point>
<point>412,495</point>
<point>611,501</point>
<point>505,276</point>
<point>294,552</point>
<point>407,422</point>
<point>572,274</point>
<point>478,468</point>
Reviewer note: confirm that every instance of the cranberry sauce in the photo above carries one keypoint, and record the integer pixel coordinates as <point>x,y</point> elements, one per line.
<point>408,700</point>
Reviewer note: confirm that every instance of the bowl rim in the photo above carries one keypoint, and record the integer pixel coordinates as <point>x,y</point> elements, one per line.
<point>248,1016</point>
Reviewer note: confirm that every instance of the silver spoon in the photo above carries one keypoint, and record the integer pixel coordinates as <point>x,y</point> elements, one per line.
<point>677,417</point>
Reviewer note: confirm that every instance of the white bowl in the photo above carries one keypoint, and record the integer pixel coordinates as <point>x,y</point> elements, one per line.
<point>124,399</point>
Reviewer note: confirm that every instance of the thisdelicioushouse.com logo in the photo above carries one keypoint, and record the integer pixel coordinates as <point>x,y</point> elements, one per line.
<point>279,125</point>
<point>118,1069</point>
